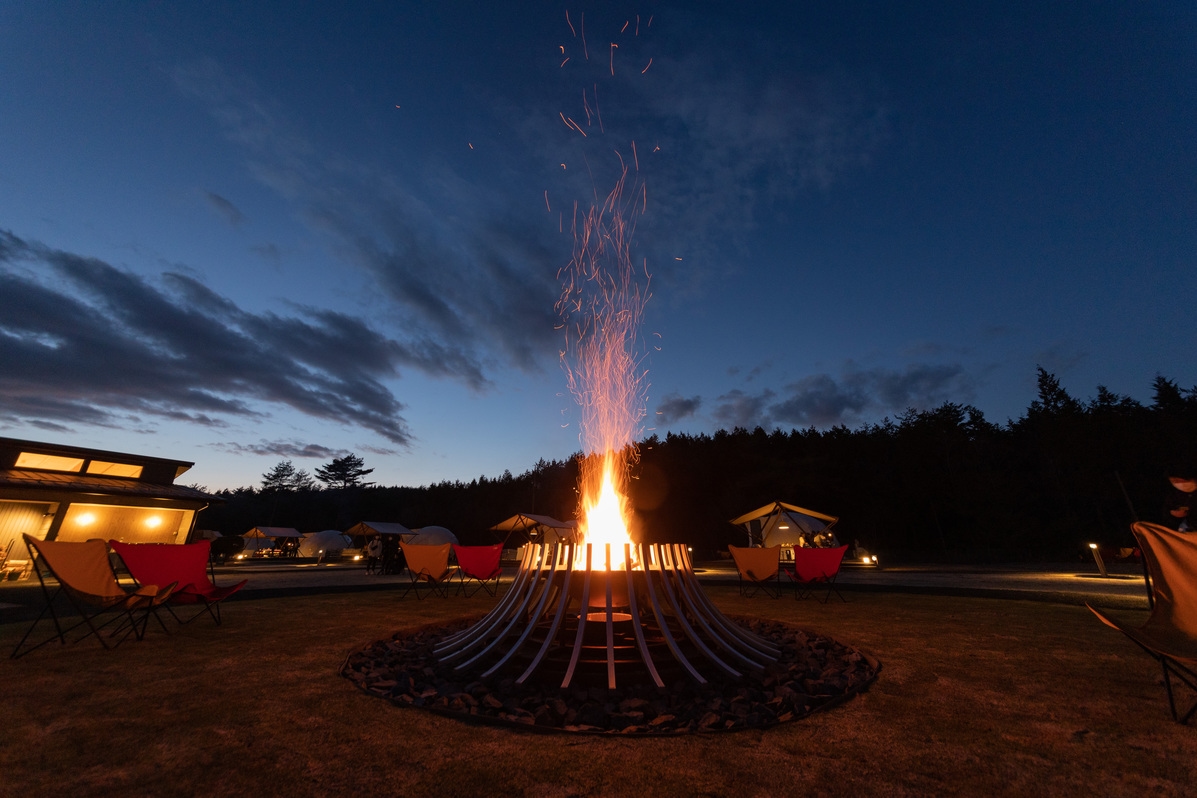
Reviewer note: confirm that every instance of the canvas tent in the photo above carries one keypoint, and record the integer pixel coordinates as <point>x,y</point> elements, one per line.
<point>370,529</point>
<point>272,532</point>
<point>330,543</point>
<point>537,528</point>
<point>781,524</point>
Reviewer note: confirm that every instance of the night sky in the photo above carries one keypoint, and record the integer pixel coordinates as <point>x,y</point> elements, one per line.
<point>239,233</point>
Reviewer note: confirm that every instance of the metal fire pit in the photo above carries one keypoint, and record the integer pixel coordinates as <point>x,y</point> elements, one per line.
<point>591,625</point>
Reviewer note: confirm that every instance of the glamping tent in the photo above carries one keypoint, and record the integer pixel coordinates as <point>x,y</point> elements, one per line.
<point>537,528</point>
<point>370,529</point>
<point>329,543</point>
<point>431,536</point>
<point>786,525</point>
<point>283,538</point>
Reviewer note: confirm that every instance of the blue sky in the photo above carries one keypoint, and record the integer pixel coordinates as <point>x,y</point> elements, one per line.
<point>237,233</point>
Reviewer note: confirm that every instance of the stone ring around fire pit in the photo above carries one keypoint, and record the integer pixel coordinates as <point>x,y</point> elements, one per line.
<point>584,642</point>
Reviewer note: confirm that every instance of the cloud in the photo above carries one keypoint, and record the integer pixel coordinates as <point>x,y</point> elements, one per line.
<point>284,449</point>
<point>738,409</point>
<point>673,407</point>
<point>91,344</point>
<point>448,255</point>
<point>823,400</point>
<point>225,208</point>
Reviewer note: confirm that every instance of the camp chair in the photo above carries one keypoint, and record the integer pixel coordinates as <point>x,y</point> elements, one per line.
<point>1170,634</point>
<point>759,569</point>
<point>815,566</point>
<point>478,564</point>
<point>89,585</point>
<point>429,567</point>
<point>162,563</point>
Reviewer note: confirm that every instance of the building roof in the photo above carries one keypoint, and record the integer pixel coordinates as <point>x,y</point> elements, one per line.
<point>57,482</point>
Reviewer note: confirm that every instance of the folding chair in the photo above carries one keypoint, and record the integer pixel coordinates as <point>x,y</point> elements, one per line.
<point>1170,634</point>
<point>759,570</point>
<point>89,585</point>
<point>815,566</point>
<point>478,564</point>
<point>428,567</point>
<point>187,564</point>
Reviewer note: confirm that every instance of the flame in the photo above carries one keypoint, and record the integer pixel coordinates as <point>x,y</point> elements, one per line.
<point>602,305</point>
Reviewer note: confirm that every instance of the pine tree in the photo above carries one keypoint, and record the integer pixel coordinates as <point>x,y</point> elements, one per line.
<point>344,472</point>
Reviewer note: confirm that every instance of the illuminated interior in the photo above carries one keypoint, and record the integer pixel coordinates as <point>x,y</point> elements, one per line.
<point>114,469</point>
<point>127,524</point>
<point>49,462</point>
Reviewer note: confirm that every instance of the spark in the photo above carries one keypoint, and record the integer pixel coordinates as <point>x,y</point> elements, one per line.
<point>471,145</point>
<point>562,46</point>
<point>657,148</point>
<point>546,201</point>
<point>571,26</point>
<point>597,112</point>
<point>635,157</point>
<point>396,106</point>
<point>625,27</point>
<point>582,25</point>
<point>563,63</point>
<point>646,66</point>
<point>562,166</point>
<point>637,25</point>
<point>612,51</point>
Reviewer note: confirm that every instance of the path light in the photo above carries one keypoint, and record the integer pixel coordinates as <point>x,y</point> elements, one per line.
<point>1101,565</point>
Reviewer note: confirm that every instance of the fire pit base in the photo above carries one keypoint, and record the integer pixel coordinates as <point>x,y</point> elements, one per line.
<point>812,673</point>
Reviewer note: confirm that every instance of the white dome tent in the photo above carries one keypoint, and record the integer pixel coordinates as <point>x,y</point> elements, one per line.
<point>329,543</point>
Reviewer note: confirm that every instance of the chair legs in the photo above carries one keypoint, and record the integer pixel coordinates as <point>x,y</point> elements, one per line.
<point>1184,676</point>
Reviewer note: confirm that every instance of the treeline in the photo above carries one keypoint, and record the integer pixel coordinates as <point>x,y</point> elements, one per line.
<point>941,484</point>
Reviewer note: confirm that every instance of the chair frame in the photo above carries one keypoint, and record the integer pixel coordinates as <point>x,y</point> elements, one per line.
<point>132,610</point>
<point>1161,598</point>
<point>191,590</point>
<point>489,582</point>
<point>749,583</point>
<point>436,585</point>
<point>804,586</point>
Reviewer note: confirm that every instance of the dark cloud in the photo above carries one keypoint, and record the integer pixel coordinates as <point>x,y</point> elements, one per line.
<point>674,407</point>
<point>268,252</point>
<point>225,208</point>
<point>86,343</point>
<point>822,400</point>
<point>738,409</point>
<point>284,449</point>
<point>448,254</point>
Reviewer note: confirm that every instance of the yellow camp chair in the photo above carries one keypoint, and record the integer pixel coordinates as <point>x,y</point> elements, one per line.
<point>428,567</point>
<point>1170,634</point>
<point>86,580</point>
<point>759,570</point>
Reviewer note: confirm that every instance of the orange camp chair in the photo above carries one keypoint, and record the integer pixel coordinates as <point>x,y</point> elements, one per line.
<point>428,567</point>
<point>162,563</point>
<point>89,585</point>
<point>816,566</point>
<point>478,564</point>
<point>759,570</point>
<point>1170,634</point>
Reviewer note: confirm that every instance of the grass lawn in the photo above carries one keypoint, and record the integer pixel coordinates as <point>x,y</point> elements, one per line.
<point>975,696</point>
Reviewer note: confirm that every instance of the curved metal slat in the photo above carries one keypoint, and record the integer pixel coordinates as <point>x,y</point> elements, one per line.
<point>663,623</point>
<point>691,635</point>
<point>577,652</point>
<point>492,618</point>
<point>558,617</point>
<point>637,626</point>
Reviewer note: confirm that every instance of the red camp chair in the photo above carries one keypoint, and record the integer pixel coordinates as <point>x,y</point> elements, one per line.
<point>479,564</point>
<point>163,563</point>
<point>814,566</point>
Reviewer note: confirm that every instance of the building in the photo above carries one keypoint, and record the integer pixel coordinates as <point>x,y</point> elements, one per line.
<point>56,492</point>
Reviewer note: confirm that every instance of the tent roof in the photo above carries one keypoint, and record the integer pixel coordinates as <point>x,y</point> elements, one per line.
<point>522,522</point>
<point>528,524</point>
<point>778,507</point>
<point>379,528</point>
<point>272,532</point>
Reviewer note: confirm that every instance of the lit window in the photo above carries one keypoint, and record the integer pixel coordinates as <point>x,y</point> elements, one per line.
<point>49,462</point>
<point>113,469</point>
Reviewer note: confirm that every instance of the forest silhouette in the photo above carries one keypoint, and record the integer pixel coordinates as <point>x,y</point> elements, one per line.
<point>931,485</point>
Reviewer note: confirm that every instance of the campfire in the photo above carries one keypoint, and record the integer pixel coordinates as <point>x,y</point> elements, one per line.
<point>604,633</point>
